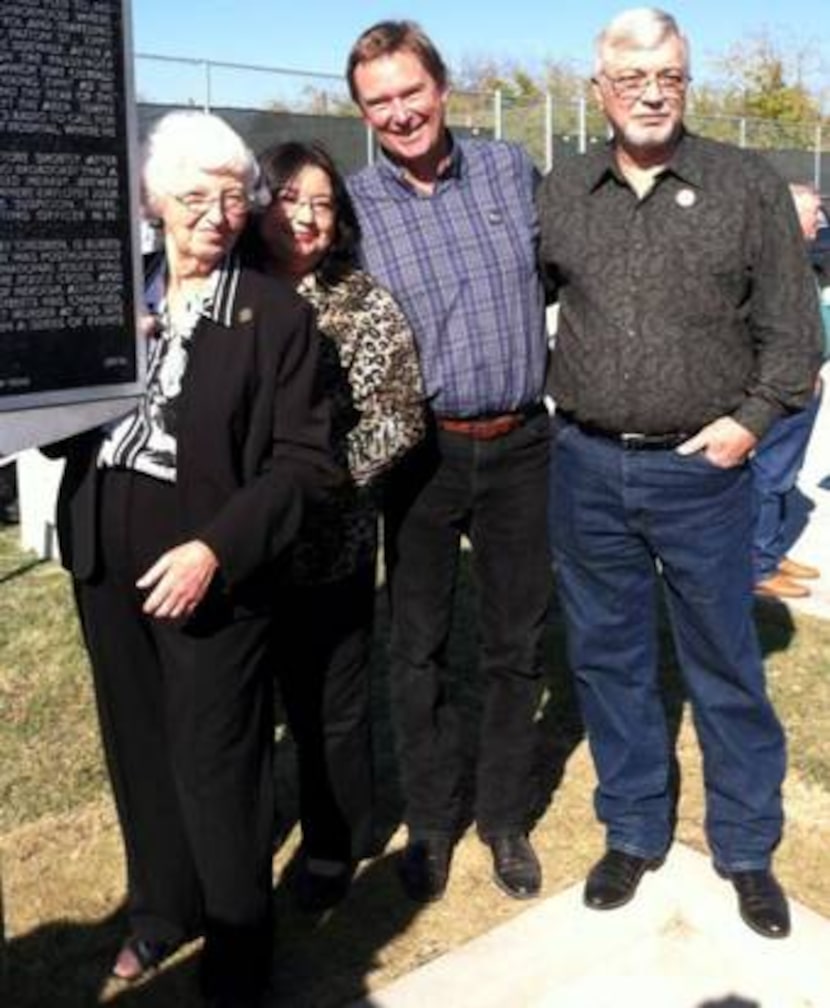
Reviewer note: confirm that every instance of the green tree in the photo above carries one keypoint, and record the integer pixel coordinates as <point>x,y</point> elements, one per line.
<point>768,82</point>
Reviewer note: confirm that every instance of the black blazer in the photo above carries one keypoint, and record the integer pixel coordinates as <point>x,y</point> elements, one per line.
<point>252,440</point>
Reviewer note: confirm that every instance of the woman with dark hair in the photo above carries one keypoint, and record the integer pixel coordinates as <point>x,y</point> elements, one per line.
<point>369,370</point>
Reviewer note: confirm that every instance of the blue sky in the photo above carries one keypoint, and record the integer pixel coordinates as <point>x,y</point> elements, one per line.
<point>316,34</point>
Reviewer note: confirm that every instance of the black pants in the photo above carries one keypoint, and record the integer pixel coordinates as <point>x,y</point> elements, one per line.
<point>495,492</point>
<point>322,650</point>
<point>187,725</point>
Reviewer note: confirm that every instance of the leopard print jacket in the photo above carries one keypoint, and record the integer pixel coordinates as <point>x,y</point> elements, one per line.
<point>371,375</point>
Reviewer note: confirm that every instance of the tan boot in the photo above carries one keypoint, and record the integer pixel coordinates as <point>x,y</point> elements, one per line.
<point>780,586</point>
<point>793,569</point>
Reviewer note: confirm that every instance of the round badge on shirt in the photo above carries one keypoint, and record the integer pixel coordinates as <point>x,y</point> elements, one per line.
<point>685,198</point>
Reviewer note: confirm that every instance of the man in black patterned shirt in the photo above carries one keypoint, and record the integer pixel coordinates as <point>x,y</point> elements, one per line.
<point>687,324</point>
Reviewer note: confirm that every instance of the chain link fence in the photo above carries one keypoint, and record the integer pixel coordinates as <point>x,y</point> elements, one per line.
<point>269,104</point>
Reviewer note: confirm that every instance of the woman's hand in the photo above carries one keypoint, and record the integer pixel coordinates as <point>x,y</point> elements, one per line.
<point>178,579</point>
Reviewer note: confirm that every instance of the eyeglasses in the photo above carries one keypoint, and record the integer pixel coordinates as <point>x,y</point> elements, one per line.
<point>234,203</point>
<point>633,85</point>
<point>322,209</point>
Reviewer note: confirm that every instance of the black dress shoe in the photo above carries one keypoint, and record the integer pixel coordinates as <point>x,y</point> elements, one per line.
<point>516,869</point>
<point>315,892</point>
<point>762,902</point>
<point>613,880</point>
<point>425,867</point>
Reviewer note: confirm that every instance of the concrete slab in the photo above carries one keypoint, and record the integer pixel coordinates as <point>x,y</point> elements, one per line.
<point>679,944</point>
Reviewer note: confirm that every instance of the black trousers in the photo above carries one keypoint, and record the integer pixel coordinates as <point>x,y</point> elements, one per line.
<point>186,719</point>
<point>322,650</point>
<point>495,492</point>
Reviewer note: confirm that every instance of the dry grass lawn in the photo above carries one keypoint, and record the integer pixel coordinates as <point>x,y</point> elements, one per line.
<point>61,858</point>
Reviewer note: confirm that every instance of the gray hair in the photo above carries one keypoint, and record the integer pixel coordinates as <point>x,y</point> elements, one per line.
<point>639,27</point>
<point>188,140</point>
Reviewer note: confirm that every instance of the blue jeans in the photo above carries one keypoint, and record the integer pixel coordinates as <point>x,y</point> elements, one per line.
<point>623,523</point>
<point>776,464</point>
<point>495,492</point>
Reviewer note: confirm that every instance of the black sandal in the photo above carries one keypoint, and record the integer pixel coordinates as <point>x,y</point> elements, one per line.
<point>139,957</point>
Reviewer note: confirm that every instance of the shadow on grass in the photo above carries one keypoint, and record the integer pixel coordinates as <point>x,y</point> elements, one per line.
<point>323,961</point>
<point>61,963</point>
<point>22,569</point>
<point>775,624</point>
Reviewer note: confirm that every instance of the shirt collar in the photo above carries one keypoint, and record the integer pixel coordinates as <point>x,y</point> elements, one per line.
<point>684,163</point>
<point>218,298</point>
<point>221,296</point>
<point>453,167</point>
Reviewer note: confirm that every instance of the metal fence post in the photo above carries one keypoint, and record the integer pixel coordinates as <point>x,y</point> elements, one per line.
<point>208,97</point>
<point>370,146</point>
<point>817,160</point>
<point>497,114</point>
<point>548,131</point>
<point>742,132</point>
<point>582,108</point>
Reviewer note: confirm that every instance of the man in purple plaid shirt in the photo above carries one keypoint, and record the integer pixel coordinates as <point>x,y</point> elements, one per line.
<point>449,227</point>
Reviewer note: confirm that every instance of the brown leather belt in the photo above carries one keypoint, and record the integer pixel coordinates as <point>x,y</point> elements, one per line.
<point>487,428</point>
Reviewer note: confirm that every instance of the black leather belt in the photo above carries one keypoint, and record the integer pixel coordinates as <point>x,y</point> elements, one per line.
<point>630,441</point>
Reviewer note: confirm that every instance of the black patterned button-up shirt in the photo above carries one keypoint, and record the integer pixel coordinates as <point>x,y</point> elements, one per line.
<point>692,302</point>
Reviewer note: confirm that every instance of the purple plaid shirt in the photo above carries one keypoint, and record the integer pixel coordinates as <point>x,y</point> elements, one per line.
<point>461,262</point>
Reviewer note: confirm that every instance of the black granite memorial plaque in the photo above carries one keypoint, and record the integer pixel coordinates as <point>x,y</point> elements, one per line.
<point>67,266</point>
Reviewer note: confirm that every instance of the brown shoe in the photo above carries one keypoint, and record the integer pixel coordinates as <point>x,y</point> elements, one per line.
<point>793,569</point>
<point>780,586</point>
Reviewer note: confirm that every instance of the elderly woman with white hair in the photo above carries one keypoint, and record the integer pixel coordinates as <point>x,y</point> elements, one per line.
<point>172,522</point>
